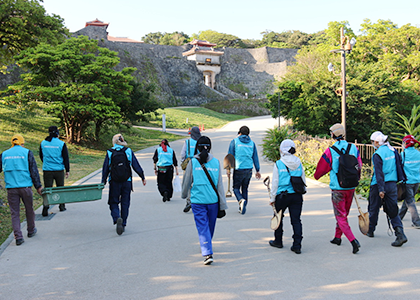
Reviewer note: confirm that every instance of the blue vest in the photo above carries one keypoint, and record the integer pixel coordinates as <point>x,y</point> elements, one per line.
<point>243,155</point>
<point>52,155</point>
<point>388,164</point>
<point>284,177</point>
<point>201,191</point>
<point>191,149</point>
<point>411,161</point>
<point>128,152</point>
<point>165,159</point>
<point>334,185</point>
<point>16,167</point>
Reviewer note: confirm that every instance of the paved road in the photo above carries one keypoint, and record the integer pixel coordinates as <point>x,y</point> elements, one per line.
<point>78,255</point>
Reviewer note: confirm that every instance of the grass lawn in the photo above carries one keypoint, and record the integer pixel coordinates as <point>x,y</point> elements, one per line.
<point>197,116</point>
<point>33,126</point>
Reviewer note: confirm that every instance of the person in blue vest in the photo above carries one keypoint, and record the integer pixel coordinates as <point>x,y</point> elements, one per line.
<point>204,200</point>
<point>55,157</point>
<point>246,157</point>
<point>164,160</point>
<point>387,171</point>
<point>341,198</point>
<point>283,196</point>
<point>20,173</point>
<point>120,180</point>
<point>187,152</point>
<point>411,164</point>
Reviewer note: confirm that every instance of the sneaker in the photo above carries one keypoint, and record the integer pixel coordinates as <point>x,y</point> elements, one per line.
<point>296,250</point>
<point>120,227</point>
<point>208,259</point>
<point>19,242</point>
<point>32,234</point>
<point>165,197</point>
<point>336,241</point>
<point>187,208</point>
<point>274,244</point>
<point>45,211</point>
<point>62,207</point>
<point>241,206</point>
<point>370,234</point>
<point>244,203</point>
<point>416,226</point>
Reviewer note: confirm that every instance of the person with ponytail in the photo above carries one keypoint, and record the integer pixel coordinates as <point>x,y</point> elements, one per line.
<point>55,162</point>
<point>341,198</point>
<point>164,160</point>
<point>411,164</point>
<point>387,171</point>
<point>283,196</point>
<point>204,200</point>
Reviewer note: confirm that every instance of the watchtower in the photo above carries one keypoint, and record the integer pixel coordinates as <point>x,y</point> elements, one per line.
<point>207,60</point>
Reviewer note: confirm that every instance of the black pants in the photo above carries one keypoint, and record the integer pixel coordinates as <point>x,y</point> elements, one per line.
<point>50,177</point>
<point>164,181</point>
<point>294,203</point>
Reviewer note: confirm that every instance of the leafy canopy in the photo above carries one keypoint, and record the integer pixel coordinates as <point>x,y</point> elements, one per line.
<point>382,81</point>
<point>24,24</point>
<point>77,78</point>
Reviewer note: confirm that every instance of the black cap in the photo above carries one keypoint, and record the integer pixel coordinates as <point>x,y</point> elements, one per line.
<point>244,130</point>
<point>53,130</point>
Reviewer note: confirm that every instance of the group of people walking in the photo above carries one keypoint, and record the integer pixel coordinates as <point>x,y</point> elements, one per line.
<point>202,184</point>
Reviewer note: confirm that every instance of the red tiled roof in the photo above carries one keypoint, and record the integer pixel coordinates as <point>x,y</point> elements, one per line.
<point>97,23</point>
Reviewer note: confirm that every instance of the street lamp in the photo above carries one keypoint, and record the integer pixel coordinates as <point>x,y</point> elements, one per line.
<point>345,48</point>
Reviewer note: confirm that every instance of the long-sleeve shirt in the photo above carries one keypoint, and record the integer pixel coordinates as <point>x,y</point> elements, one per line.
<point>246,139</point>
<point>187,181</point>
<point>156,158</point>
<point>64,154</point>
<point>33,169</point>
<point>134,164</point>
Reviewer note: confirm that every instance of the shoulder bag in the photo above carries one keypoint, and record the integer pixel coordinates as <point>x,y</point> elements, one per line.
<point>221,213</point>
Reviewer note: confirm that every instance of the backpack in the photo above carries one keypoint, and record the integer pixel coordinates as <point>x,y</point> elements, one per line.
<point>120,166</point>
<point>348,168</point>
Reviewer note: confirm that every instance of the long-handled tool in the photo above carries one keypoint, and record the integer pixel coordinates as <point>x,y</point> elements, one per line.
<point>229,163</point>
<point>363,218</point>
<point>276,219</point>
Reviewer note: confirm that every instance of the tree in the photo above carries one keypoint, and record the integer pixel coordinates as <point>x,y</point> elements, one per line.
<point>376,91</point>
<point>78,80</point>
<point>221,39</point>
<point>141,102</point>
<point>153,38</point>
<point>174,39</point>
<point>24,24</point>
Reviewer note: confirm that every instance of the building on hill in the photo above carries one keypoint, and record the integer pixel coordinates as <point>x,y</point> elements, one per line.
<point>207,60</point>
<point>100,24</point>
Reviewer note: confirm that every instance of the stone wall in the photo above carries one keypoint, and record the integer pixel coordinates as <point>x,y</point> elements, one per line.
<point>179,82</point>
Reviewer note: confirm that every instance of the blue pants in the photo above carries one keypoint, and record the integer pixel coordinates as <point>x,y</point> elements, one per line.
<point>294,203</point>
<point>389,202</point>
<point>205,216</point>
<point>119,194</point>
<point>241,180</point>
<point>410,204</point>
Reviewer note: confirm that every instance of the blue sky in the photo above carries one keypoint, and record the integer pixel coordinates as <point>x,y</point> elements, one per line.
<point>243,18</point>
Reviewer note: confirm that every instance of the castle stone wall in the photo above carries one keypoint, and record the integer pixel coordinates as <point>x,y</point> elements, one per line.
<point>179,82</point>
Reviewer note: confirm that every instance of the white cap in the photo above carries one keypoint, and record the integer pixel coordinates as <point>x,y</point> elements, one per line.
<point>378,137</point>
<point>285,146</point>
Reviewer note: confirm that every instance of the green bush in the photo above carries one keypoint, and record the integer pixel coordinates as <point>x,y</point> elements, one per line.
<point>272,140</point>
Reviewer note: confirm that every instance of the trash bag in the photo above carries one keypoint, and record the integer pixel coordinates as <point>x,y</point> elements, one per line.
<point>177,184</point>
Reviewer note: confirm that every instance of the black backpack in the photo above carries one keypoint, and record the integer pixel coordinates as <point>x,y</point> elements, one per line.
<point>120,166</point>
<point>348,168</point>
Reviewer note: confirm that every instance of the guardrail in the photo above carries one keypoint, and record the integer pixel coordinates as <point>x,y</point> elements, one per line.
<point>367,150</point>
